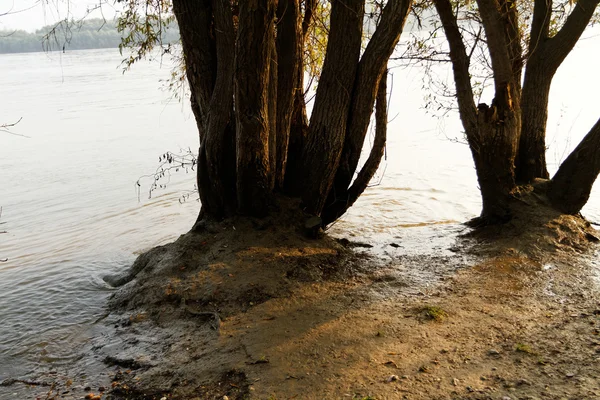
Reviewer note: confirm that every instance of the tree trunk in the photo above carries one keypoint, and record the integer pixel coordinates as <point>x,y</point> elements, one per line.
<point>498,43</point>
<point>218,198</point>
<point>460,69</point>
<point>512,33</point>
<point>293,173</point>
<point>494,148</point>
<point>494,153</point>
<point>546,54</point>
<point>245,72</point>
<point>571,186</point>
<point>292,184</point>
<point>327,129</point>
<point>272,105</point>
<point>531,160</point>
<point>194,19</point>
<point>338,208</point>
<point>289,67</point>
<point>253,58</point>
<point>209,59</point>
<point>492,131</point>
<point>371,70</point>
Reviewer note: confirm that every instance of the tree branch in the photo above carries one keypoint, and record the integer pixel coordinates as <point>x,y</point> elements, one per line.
<point>214,147</point>
<point>328,122</point>
<point>497,42</point>
<point>6,128</point>
<point>309,7</point>
<point>372,164</point>
<point>342,204</point>
<point>540,24</point>
<point>252,66</point>
<point>460,67</point>
<point>571,186</point>
<point>289,58</point>
<point>478,38</point>
<point>371,69</point>
<point>559,46</point>
<point>195,18</point>
<point>512,32</point>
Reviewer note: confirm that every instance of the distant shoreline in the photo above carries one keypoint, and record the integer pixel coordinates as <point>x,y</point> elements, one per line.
<point>92,34</point>
<point>67,50</point>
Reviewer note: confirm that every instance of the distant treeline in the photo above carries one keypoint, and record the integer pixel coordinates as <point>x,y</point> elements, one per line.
<point>91,34</point>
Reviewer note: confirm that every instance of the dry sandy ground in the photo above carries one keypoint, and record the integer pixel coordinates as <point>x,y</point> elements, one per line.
<point>258,312</point>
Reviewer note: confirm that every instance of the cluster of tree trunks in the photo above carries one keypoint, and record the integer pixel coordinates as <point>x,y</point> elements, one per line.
<point>507,137</point>
<point>245,68</point>
<point>244,64</point>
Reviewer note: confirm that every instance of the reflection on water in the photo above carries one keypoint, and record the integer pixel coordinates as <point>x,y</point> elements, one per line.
<point>71,209</point>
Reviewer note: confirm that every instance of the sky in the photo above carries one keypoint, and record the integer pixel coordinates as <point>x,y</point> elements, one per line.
<point>30,15</point>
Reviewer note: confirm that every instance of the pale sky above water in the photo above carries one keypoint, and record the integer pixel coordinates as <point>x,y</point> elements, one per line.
<point>30,15</point>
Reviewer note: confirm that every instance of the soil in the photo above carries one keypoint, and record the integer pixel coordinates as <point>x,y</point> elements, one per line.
<point>255,310</point>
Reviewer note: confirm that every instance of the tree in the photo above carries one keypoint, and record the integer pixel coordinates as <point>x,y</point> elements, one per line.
<point>244,65</point>
<point>570,187</point>
<point>507,136</point>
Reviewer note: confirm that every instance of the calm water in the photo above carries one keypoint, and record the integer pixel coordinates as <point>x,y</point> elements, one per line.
<point>73,215</point>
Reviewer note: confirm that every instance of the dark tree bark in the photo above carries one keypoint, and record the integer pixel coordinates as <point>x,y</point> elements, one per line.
<point>212,93</point>
<point>195,20</point>
<point>201,66</point>
<point>338,208</point>
<point>571,186</point>
<point>546,54</point>
<point>531,160</point>
<point>460,68</point>
<point>498,124</point>
<point>272,107</point>
<point>371,69</point>
<point>309,8</point>
<point>252,64</point>
<point>507,137</point>
<point>492,130</point>
<point>245,70</point>
<point>289,60</point>
<point>498,42</point>
<point>324,142</point>
<point>217,147</point>
<point>494,154</point>
<point>292,183</point>
<point>509,19</point>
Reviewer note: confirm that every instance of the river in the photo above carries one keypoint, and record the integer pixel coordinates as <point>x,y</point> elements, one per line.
<point>72,213</point>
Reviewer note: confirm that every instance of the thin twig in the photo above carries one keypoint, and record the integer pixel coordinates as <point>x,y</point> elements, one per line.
<point>5,128</point>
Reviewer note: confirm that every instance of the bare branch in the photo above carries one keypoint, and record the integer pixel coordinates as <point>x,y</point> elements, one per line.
<point>561,44</point>
<point>6,128</point>
<point>341,204</point>
<point>11,11</point>
<point>477,39</point>
<point>169,162</point>
<point>61,32</point>
<point>460,65</point>
<point>497,42</point>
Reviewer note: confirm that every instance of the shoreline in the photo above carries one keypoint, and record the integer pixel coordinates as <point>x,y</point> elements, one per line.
<point>267,314</point>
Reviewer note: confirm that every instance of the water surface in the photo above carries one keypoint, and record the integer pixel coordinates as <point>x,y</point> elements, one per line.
<point>72,212</point>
